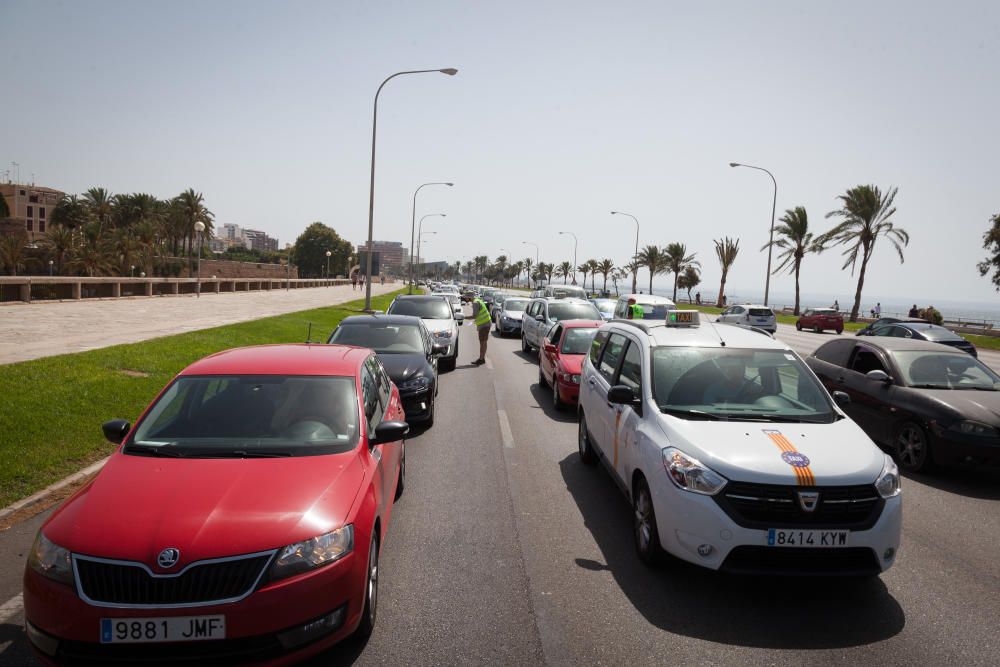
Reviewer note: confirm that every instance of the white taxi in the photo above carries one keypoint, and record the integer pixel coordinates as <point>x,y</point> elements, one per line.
<point>733,454</point>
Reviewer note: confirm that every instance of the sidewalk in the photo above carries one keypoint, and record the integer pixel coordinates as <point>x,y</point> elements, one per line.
<point>32,331</point>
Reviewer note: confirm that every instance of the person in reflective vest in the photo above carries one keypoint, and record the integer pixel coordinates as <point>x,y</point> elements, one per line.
<point>635,311</point>
<point>483,322</point>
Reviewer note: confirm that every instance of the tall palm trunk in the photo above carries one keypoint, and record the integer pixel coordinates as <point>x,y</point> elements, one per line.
<point>861,284</point>
<point>722,287</point>
<point>798,263</point>
<point>675,287</point>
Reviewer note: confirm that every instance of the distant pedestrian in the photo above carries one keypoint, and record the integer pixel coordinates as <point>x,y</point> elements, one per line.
<point>914,311</point>
<point>836,305</point>
<point>723,299</point>
<point>354,281</point>
<point>697,298</point>
<point>483,321</point>
<point>878,310</point>
<point>382,278</point>
<point>635,311</point>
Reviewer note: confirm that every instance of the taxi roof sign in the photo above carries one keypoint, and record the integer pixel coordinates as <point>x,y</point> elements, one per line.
<point>682,318</point>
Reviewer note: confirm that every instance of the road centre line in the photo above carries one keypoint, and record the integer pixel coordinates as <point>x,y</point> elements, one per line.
<point>11,607</point>
<point>505,433</point>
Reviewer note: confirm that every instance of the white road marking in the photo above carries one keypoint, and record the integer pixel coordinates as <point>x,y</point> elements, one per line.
<point>489,364</point>
<point>11,608</point>
<point>505,433</point>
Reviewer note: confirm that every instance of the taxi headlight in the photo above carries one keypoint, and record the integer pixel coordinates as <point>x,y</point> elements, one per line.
<point>969,427</point>
<point>312,553</point>
<point>50,560</point>
<point>689,474</point>
<point>887,483</point>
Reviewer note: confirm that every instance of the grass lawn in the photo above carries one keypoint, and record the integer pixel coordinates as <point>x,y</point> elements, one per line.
<point>50,425</point>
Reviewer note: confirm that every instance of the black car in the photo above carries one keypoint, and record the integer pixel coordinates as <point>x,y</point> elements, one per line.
<point>405,348</point>
<point>928,332</point>
<point>881,322</point>
<point>927,403</point>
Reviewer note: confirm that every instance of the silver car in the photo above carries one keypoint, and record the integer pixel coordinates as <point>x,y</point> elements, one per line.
<point>542,313</point>
<point>508,318</point>
<point>438,317</point>
<point>750,315</point>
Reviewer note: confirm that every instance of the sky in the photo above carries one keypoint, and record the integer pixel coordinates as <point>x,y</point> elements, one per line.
<point>560,113</point>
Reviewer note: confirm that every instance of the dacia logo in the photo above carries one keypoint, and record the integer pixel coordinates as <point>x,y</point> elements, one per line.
<point>168,557</point>
<point>808,500</point>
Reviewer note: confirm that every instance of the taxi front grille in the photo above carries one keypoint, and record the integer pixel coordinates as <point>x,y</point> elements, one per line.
<point>125,584</point>
<point>777,506</point>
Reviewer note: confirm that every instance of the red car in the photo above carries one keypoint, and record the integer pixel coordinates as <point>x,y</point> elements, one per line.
<point>561,358</point>
<point>239,521</point>
<point>820,319</point>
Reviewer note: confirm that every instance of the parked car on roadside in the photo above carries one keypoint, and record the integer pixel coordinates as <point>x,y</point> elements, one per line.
<point>243,515</point>
<point>438,317</point>
<point>881,322</point>
<point>407,352</point>
<point>653,307</point>
<point>561,357</point>
<point>929,332</point>
<point>564,291</point>
<point>820,320</point>
<point>750,315</point>
<point>925,402</point>
<point>734,457</point>
<point>543,312</point>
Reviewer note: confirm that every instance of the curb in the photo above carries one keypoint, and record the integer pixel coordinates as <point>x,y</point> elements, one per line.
<point>52,488</point>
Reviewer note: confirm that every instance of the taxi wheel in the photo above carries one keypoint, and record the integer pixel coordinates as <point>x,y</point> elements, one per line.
<point>370,612</point>
<point>912,449</point>
<point>647,538</point>
<point>401,475</point>
<point>798,326</point>
<point>541,377</point>
<point>583,442</point>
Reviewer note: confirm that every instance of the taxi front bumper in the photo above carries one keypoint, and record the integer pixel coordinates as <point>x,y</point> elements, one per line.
<point>695,528</point>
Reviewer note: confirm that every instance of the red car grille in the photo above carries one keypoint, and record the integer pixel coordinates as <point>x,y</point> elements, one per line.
<point>130,584</point>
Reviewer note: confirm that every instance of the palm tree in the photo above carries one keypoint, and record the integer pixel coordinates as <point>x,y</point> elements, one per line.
<point>501,265</point>
<point>93,258</point>
<point>563,271</point>
<point>866,215</point>
<point>632,269</point>
<point>592,263</point>
<point>58,243</point>
<point>100,206</point>
<point>655,259</point>
<point>604,267</point>
<point>70,212</point>
<point>12,255</point>
<point>468,268</point>
<point>190,209</point>
<point>677,261</point>
<point>690,279</point>
<point>481,262</point>
<point>584,269</point>
<point>726,250</point>
<point>621,273</point>
<point>795,241</point>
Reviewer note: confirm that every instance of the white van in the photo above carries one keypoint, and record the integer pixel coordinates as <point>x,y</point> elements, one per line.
<point>654,307</point>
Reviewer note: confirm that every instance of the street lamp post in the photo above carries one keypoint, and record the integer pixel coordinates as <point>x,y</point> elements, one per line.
<point>371,189</point>
<point>420,240</point>
<point>420,226</point>
<point>131,269</point>
<point>413,218</point>
<point>635,274</point>
<point>328,253</point>
<point>536,256</point>
<point>200,228</point>
<point>574,254</point>
<point>50,267</point>
<point>770,245</point>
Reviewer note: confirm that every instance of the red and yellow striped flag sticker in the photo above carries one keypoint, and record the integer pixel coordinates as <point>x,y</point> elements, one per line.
<point>793,457</point>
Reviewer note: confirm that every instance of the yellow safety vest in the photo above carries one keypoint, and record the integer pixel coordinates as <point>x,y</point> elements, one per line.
<point>483,317</point>
<point>637,312</point>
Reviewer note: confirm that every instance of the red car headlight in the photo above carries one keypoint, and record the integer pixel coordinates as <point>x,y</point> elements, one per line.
<point>50,560</point>
<point>312,553</point>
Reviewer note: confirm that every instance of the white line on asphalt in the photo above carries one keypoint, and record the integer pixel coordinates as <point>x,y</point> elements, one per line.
<point>505,432</point>
<point>11,608</point>
<point>489,364</point>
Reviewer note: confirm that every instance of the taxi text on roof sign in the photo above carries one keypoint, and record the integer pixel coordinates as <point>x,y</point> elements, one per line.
<point>682,318</point>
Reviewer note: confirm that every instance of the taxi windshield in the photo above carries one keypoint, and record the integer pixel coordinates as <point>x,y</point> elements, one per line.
<point>737,385</point>
<point>250,416</point>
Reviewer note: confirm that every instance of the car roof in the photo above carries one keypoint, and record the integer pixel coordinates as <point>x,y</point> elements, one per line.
<point>567,299</point>
<point>706,334</point>
<point>581,324</point>
<point>418,297</point>
<point>282,359</point>
<point>380,319</point>
<point>752,305</point>
<point>892,344</point>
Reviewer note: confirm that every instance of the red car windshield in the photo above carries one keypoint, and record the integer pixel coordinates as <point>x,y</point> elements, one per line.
<point>250,416</point>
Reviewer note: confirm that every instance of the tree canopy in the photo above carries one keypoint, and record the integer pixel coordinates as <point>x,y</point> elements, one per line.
<point>991,243</point>
<point>311,247</point>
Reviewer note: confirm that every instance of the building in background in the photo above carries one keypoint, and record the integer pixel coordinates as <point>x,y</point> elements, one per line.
<point>30,208</point>
<point>231,235</point>
<point>393,257</point>
<point>259,240</point>
<point>363,262</point>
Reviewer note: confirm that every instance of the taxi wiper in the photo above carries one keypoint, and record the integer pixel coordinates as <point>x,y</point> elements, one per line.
<point>785,419</point>
<point>694,414</point>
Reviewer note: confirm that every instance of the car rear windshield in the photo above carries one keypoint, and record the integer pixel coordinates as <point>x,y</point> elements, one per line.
<point>949,370</point>
<point>250,416</point>
<point>825,311</point>
<point>761,312</point>
<point>383,338</point>
<point>428,309</point>
<point>938,333</point>
<point>515,305</point>
<point>737,385</point>
<point>573,311</point>
<point>577,340</point>
<point>605,305</point>
<point>568,291</point>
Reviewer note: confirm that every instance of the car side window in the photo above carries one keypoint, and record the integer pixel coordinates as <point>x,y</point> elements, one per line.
<point>612,357</point>
<point>808,313</point>
<point>620,309</point>
<point>595,346</point>
<point>900,332</point>
<point>865,360</point>
<point>630,374</point>
<point>835,352</point>
<point>555,333</point>
<point>369,394</point>
<point>384,384</point>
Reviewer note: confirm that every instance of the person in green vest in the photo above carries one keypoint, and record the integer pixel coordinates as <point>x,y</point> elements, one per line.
<point>483,322</point>
<point>635,311</point>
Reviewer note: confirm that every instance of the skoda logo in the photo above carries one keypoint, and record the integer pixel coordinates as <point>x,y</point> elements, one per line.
<point>808,500</point>
<point>168,557</point>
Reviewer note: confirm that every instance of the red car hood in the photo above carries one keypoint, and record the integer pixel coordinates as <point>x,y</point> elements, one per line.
<point>207,508</point>
<point>571,363</point>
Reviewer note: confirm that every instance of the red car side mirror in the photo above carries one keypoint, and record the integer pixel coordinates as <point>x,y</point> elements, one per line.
<point>550,348</point>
